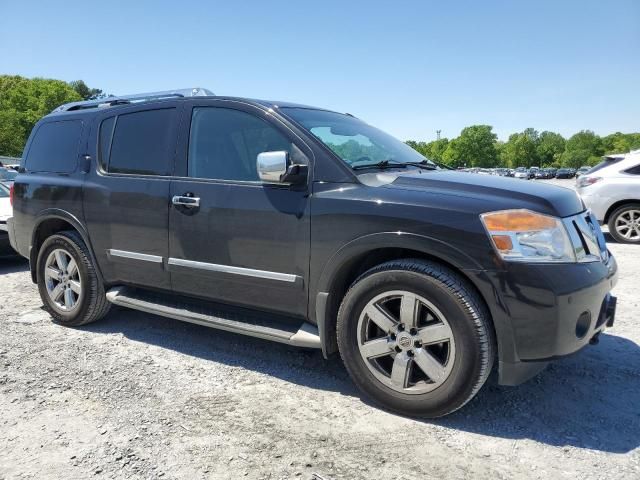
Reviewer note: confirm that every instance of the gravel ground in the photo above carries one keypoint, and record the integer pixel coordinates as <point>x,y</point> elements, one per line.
<point>140,396</point>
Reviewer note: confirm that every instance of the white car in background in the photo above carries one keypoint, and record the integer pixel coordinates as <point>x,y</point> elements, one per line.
<point>611,190</point>
<point>6,211</point>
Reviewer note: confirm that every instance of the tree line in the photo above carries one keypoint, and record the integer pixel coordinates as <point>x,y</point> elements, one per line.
<point>478,146</point>
<point>24,101</point>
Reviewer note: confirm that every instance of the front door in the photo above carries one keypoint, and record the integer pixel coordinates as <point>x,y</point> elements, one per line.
<point>232,238</point>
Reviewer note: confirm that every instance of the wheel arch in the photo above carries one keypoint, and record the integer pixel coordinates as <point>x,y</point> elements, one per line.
<point>49,222</point>
<point>359,255</point>
<point>618,204</point>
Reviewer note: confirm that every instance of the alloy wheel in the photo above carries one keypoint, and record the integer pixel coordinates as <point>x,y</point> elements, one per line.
<point>62,279</point>
<point>627,225</point>
<point>406,342</point>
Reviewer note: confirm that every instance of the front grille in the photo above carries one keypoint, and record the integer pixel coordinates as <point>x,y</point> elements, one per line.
<point>587,238</point>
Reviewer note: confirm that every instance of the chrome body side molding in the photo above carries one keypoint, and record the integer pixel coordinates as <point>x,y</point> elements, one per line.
<point>134,255</point>
<point>249,272</point>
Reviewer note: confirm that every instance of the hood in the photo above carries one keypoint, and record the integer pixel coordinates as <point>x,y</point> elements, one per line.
<point>490,191</point>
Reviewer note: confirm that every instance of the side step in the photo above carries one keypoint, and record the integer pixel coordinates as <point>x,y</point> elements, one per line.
<point>244,321</point>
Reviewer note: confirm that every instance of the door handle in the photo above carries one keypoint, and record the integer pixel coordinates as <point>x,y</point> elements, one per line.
<point>183,201</point>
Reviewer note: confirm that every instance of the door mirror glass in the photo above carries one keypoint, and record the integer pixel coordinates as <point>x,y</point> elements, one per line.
<point>272,166</point>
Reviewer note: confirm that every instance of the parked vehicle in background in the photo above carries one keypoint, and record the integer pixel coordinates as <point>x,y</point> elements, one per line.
<point>6,211</point>
<point>248,216</point>
<point>582,170</point>
<point>544,173</point>
<point>521,173</point>
<point>7,175</point>
<point>565,173</point>
<point>611,190</point>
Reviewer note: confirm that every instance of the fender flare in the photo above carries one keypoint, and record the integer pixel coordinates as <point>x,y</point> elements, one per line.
<point>58,214</point>
<point>368,243</point>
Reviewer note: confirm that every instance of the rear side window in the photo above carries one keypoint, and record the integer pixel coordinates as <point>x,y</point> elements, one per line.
<point>633,170</point>
<point>54,147</point>
<point>140,143</point>
<point>607,162</point>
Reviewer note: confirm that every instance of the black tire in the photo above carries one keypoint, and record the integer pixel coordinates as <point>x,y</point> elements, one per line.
<point>466,314</point>
<point>92,302</point>
<point>613,219</point>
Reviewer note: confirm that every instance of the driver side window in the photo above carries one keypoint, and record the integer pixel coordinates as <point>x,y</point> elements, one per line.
<point>224,144</point>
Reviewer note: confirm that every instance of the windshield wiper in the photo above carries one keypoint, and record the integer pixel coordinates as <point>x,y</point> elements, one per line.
<point>382,165</point>
<point>426,164</point>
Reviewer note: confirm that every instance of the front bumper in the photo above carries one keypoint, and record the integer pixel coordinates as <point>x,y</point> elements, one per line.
<point>549,311</point>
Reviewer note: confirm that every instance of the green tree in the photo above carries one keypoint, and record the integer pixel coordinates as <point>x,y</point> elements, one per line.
<point>550,147</point>
<point>85,92</point>
<point>476,146</point>
<point>583,148</point>
<point>621,142</point>
<point>521,149</point>
<point>23,102</point>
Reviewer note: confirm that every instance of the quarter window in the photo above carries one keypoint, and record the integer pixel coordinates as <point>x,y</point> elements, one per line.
<point>142,143</point>
<point>54,147</point>
<point>633,170</point>
<point>224,144</point>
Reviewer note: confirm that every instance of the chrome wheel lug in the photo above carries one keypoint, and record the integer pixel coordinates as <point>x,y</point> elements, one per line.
<point>413,331</point>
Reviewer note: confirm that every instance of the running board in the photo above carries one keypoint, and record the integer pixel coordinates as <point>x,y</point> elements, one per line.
<point>243,321</point>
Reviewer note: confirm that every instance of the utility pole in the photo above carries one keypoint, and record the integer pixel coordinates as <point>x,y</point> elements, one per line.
<point>438,134</point>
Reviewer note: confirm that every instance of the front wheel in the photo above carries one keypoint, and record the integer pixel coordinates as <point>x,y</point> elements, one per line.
<point>624,223</point>
<point>415,337</point>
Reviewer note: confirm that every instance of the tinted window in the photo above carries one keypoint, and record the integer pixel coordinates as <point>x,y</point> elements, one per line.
<point>54,147</point>
<point>224,143</point>
<point>106,135</point>
<point>607,162</point>
<point>143,143</point>
<point>4,192</point>
<point>633,170</point>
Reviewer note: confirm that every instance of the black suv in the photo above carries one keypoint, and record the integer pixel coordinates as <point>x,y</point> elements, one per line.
<point>311,228</point>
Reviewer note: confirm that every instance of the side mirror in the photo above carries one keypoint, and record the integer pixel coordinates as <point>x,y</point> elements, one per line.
<point>275,167</point>
<point>272,166</point>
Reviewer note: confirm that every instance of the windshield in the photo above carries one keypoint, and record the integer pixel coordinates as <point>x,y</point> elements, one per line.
<point>355,142</point>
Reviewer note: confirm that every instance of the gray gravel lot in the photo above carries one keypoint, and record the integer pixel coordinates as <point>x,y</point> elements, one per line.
<point>140,396</point>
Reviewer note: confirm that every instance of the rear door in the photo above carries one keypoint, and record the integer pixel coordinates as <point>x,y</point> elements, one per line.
<point>126,195</point>
<point>247,242</point>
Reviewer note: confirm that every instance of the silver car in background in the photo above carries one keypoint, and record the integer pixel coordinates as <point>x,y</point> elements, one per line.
<point>611,190</point>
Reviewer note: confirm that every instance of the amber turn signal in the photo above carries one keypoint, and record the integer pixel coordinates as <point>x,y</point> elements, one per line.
<point>502,242</point>
<point>517,221</point>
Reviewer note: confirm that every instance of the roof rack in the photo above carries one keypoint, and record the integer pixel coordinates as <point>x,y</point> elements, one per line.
<point>113,100</point>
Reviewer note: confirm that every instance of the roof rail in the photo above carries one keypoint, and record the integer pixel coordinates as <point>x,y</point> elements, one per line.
<point>113,100</point>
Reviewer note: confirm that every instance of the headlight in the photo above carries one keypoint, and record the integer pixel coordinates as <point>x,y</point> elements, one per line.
<point>526,236</point>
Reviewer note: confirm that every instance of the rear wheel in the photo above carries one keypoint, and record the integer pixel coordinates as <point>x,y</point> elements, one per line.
<point>68,283</point>
<point>624,223</point>
<point>415,337</point>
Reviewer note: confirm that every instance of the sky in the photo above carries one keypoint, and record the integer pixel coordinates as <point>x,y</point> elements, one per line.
<point>408,67</point>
